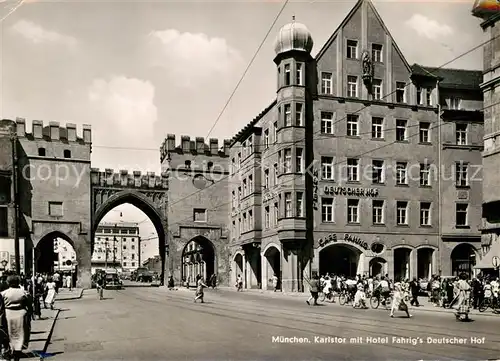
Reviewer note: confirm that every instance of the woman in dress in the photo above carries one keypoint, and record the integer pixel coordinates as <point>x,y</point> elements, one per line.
<point>18,312</point>
<point>199,289</point>
<point>398,301</point>
<point>51,288</point>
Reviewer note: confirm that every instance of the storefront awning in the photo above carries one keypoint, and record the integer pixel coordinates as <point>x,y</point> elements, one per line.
<point>487,261</point>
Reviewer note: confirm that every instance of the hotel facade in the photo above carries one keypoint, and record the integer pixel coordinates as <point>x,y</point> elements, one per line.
<point>363,164</point>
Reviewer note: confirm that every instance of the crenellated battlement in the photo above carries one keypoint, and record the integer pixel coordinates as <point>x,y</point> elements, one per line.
<point>53,131</point>
<point>196,146</point>
<point>123,178</point>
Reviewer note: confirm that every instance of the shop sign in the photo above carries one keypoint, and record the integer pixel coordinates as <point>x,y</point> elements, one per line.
<point>348,191</point>
<point>347,238</point>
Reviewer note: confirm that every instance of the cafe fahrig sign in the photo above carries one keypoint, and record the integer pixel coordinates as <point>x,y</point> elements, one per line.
<point>349,191</point>
<point>349,238</point>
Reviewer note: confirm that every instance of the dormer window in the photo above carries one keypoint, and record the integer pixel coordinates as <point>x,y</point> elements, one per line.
<point>67,153</point>
<point>41,152</point>
<point>187,163</point>
<point>454,103</point>
<point>287,74</point>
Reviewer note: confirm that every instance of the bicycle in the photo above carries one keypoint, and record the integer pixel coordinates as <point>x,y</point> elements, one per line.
<point>329,296</point>
<point>345,298</point>
<point>490,302</point>
<point>377,298</point>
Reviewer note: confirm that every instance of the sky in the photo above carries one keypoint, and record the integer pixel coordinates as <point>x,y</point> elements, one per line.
<point>137,70</point>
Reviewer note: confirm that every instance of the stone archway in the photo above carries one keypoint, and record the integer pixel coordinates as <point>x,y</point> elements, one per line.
<point>341,260</point>
<point>198,258</point>
<point>272,266</point>
<point>425,256</point>
<point>146,192</point>
<point>463,259</point>
<point>401,259</point>
<point>238,266</point>
<point>378,267</point>
<point>46,256</point>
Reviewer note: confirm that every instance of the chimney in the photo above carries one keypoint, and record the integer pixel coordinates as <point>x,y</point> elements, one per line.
<point>185,143</point>
<point>170,142</point>
<point>21,127</point>
<point>37,129</point>
<point>71,132</point>
<point>227,145</point>
<point>54,131</point>
<point>214,146</point>
<point>200,145</point>
<point>87,133</point>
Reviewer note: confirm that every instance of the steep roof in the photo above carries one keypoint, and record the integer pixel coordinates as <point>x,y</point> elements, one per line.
<point>451,78</point>
<point>348,18</point>
<point>250,125</point>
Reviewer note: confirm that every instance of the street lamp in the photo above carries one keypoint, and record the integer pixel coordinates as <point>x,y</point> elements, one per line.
<point>4,263</point>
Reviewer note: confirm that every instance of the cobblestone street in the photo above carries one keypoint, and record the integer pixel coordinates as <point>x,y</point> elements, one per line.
<point>153,323</point>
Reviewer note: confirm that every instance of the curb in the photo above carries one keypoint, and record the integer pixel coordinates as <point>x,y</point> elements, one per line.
<point>78,296</point>
<point>49,337</point>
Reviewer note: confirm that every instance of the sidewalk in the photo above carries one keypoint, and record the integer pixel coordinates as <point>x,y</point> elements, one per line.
<point>425,305</point>
<point>65,294</point>
<point>41,332</point>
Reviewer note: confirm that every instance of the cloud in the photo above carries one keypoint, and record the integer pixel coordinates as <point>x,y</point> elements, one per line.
<point>39,35</point>
<point>428,28</point>
<point>191,59</point>
<point>126,110</point>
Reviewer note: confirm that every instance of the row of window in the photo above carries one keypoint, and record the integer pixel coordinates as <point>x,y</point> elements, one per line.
<point>124,239</point>
<point>378,171</point>
<point>379,212</point>
<point>116,230</point>
<point>42,153</point>
<point>271,216</point>
<point>378,130</point>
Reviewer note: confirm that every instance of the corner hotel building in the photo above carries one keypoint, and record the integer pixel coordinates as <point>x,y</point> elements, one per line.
<point>363,164</point>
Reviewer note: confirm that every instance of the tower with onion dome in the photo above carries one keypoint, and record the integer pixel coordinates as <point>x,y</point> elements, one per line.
<point>294,146</point>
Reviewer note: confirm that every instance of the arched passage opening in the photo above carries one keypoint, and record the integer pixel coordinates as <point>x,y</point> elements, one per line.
<point>125,242</point>
<point>198,258</point>
<point>273,266</point>
<point>340,259</point>
<point>401,264</point>
<point>55,253</point>
<point>463,259</point>
<point>424,262</point>
<point>238,266</point>
<point>378,267</point>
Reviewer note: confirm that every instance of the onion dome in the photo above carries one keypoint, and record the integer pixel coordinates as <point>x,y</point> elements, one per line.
<point>293,36</point>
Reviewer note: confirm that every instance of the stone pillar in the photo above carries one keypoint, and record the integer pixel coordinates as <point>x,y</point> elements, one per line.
<point>314,263</point>
<point>390,264</point>
<point>290,269</point>
<point>434,263</point>
<point>264,267</point>
<point>244,273</point>
<point>413,263</point>
<point>82,249</point>
<point>361,264</point>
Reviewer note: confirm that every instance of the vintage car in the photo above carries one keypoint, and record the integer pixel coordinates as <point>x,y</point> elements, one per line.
<point>113,281</point>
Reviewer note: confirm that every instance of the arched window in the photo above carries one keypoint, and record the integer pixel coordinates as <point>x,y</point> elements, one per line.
<point>41,152</point>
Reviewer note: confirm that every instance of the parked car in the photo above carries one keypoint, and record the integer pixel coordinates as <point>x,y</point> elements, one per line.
<point>142,274</point>
<point>113,281</point>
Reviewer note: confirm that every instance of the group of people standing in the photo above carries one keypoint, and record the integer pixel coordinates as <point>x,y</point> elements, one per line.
<point>445,291</point>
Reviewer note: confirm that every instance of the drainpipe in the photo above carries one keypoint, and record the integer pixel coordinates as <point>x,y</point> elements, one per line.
<point>440,203</point>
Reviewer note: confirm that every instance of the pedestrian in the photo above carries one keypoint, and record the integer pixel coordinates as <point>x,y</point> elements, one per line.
<point>51,289</point>
<point>415,289</point>
<point>213,281</point>
<point>171,283</point>
<point>275,282</point>
<point>314,286</point>
<point>18,312</point>
<point>199,289</point>
<point>398,301</point>
<point>239,283</point>
<point>69,280</point>
<point>101,284</point>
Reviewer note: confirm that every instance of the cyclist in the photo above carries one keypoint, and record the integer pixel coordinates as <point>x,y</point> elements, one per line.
<point>101,283</point>
<point>384,289</point>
